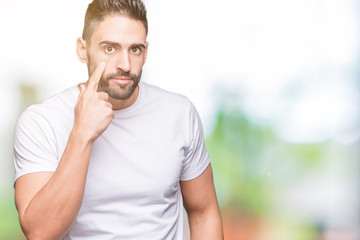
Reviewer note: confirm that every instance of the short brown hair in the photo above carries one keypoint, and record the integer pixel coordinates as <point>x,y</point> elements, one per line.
<point>99,9</point>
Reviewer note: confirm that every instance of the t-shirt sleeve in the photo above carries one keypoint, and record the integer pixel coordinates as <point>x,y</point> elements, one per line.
<point>34,145</point>
<point>196,156</point>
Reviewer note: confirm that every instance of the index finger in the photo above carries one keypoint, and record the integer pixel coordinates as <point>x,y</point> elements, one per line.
<point>96,76</point>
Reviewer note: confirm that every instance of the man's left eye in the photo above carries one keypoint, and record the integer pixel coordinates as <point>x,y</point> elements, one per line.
<point>135,50</point>
<point>109,49</point>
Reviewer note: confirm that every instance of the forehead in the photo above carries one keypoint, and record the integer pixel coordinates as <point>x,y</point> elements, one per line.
<point>120,29</point>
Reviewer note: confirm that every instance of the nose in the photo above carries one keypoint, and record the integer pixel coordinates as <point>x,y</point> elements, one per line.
<point>123,61</point>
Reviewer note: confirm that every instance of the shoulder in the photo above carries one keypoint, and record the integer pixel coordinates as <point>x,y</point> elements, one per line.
<point>54,105</point>
<point>58,101</point>
<point>53,109</point>
<point>166,98</point>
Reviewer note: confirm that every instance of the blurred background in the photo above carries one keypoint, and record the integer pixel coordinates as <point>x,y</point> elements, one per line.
<point>276,84</point>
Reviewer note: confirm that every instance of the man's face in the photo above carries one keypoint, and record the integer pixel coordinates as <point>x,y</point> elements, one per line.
<point>121,43</point>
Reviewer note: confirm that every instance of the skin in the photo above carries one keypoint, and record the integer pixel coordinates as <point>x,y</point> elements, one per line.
<point>48,202</point>
<point>121,43</point>
<point>201,205</point>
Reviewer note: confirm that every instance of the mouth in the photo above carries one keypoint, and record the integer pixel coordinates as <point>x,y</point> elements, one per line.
<point>121,80</point>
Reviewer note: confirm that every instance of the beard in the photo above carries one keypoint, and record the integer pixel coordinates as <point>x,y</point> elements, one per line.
<point>120,91</point>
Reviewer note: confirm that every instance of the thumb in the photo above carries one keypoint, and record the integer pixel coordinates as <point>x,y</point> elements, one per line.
<point>82,88</point>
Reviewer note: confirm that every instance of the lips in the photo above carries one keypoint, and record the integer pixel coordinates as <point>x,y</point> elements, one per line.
<point>121,80</point>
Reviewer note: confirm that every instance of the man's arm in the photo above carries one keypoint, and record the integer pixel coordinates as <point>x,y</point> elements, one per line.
<point>49,202</point>
<point>202,207</point>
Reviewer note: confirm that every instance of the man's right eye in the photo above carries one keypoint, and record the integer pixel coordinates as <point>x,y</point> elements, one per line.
<point>109,49</point>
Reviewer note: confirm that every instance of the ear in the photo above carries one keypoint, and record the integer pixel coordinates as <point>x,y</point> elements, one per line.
<point>146,50</point>
<point>81,50</point>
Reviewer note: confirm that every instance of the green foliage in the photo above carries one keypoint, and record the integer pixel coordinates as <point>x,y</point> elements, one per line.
<point>294,229</point>
<point>250,162</point>
<point>235,148</point>
<point>310,155</point>
<point>9,227</point>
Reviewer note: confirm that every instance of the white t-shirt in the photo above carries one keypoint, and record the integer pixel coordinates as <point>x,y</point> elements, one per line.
<point>132,189</point>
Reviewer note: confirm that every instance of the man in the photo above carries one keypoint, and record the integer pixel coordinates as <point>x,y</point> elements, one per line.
<point>114,158</point>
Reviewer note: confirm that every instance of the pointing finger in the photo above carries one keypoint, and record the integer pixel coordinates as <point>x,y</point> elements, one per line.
<point>96,76</point>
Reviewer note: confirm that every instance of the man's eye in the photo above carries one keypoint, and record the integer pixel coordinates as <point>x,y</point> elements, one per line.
<point>136,50</point>
<point>109,49</point>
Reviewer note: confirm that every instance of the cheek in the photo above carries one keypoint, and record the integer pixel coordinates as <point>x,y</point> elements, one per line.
<point>94,62</point>
<point>107,72</point>
<point>110,60</point>
<point>137,63</point>
<point>96,56</point>
<point>91,66</point>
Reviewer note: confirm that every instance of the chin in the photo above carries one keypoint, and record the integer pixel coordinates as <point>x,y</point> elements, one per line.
<point>120,94</point>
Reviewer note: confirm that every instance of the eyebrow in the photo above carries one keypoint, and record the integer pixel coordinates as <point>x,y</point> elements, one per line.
<point>106,42</point>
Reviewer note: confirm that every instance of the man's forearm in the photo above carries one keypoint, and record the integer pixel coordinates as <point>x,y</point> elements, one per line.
<point>53,209</point>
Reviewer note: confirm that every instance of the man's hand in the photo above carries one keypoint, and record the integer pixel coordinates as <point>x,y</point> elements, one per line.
<point>93,112</point>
